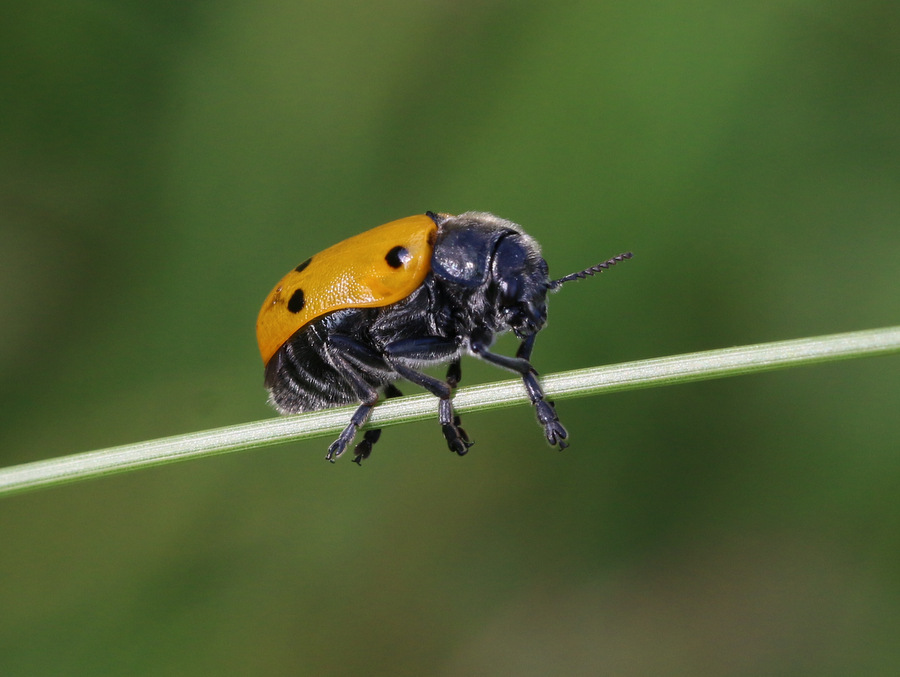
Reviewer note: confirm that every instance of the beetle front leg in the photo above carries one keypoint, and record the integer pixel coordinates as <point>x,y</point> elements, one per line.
<point>554,431</point>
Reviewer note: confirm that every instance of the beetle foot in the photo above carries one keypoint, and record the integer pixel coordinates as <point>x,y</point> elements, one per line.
<point>456,437</point>
<point>341,443</point>
<point>336,449</point>
<point>364,448</point>
<point>360,416</point>
<point>554,430</point>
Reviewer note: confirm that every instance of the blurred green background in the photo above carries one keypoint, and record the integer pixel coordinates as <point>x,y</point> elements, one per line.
<point>163,164</point>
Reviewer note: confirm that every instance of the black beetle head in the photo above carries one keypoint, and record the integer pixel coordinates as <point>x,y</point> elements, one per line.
<point>519,275</point>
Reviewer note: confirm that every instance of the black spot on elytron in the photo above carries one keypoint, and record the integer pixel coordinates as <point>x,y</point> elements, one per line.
<point>397,256</point>
<point>302,266</point>
<point>295,305</point>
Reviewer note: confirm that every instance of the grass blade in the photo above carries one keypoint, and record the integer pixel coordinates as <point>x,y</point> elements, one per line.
<point>626,376</point>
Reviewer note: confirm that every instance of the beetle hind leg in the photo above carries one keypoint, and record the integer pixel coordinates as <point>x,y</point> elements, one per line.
<point>364,448</point>
<point>370,437</point>
<point>368,395</point>
<point>360,416</point>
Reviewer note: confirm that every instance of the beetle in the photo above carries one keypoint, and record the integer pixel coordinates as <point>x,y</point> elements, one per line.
<point>347,323</point>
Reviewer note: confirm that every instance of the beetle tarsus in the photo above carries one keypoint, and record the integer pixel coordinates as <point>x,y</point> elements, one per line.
<point>360,416</point>
<point>456,437</point>
<point>554,430</point>
<point>339,445</point>
<point>364,448</point>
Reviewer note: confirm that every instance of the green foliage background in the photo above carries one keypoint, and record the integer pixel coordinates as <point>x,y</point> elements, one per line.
<point>163,164</point>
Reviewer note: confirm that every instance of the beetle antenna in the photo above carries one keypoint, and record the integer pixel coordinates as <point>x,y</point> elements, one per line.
<point>593,270</point>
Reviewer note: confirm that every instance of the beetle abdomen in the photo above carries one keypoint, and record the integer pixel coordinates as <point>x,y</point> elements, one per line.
<point>299,377</point>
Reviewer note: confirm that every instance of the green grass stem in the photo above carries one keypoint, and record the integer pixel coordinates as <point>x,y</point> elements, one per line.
<point>626,376</point>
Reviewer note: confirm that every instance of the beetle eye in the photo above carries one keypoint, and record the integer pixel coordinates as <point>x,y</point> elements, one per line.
<point>397,256</point>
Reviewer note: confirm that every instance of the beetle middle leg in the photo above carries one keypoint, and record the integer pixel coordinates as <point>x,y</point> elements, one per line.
<point>546,413</point>
<point>457,439</point>
<point>433,348</point>
<point>454,373</point>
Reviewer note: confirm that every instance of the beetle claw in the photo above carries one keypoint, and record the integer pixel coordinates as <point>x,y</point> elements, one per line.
<point>554,430</point>
<point>456,437</point>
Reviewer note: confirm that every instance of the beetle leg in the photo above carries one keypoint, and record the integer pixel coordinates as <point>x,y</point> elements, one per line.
<point>348,351</point>
<point>360,416</point>
<point>526,347</point>
<point>454,374</point>
<point>366,393</point>
<point>546,414</point>
<point>370,437</point>
<point>457,439</point>
<point>432,347</point>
